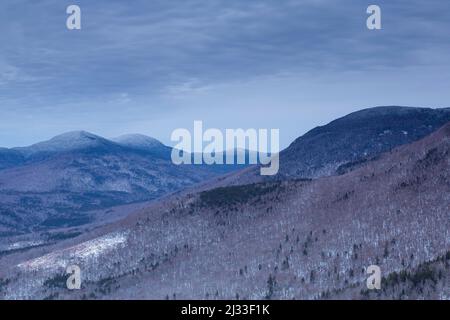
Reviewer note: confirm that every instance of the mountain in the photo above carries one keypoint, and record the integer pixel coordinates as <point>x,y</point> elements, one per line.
<point>67,142</point>
<point>291,239</point>
<point>59,182</point>
<point>358,137</point>
<point>344,144</point>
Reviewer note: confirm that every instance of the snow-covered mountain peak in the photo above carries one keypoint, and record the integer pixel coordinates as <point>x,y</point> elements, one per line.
<point>68,141</point>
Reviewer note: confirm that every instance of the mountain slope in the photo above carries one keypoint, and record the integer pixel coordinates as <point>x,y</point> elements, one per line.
<point>357,136</point>
<point>276,240</point>
<point>138,141</point>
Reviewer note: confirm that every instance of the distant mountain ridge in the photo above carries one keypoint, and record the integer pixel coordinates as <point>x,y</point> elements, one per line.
<point>69,141</point>
<point>56,182</point>
<point>82,140</point>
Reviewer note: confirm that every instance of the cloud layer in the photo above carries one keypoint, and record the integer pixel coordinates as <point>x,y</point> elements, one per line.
<point>152,65</point>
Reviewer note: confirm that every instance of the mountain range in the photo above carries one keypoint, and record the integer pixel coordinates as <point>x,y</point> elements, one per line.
<point>374,190</point>
<point>60,182</point>
<point>345,143</point>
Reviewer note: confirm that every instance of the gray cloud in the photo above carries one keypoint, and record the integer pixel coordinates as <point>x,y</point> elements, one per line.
<point>137,56</point>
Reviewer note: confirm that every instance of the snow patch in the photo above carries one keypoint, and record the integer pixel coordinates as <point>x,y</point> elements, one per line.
<point>82,252</point>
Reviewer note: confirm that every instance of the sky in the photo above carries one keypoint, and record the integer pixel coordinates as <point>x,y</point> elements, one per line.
<point>152,66</point>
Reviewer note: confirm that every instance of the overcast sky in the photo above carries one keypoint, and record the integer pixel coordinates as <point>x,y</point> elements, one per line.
<point>152,66</point>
